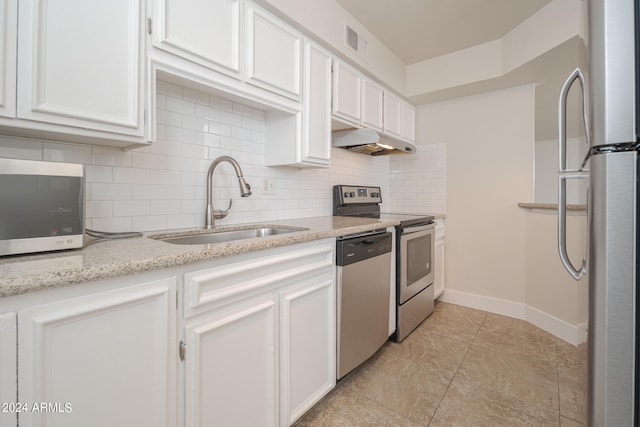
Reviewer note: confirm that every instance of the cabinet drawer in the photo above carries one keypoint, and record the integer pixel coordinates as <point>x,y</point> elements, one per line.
<point>249,275</point>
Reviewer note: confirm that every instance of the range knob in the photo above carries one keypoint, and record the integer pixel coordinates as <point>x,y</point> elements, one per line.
<point>352,194</point>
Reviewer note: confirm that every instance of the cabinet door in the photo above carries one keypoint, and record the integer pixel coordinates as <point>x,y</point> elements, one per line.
<point>372,105</point>
<point>274,54</point>
<point>308,352</point>
<point>80,64</point>
<point>347,86</point>
<point>8,366</point>
<point>231,368</point>
<point>8,39</point>
<point>316,144</point>
<point>439,259</point>
<point>106,359</point>
<point>392,114</point>
<point>206,32</point>
<point>408,122</point>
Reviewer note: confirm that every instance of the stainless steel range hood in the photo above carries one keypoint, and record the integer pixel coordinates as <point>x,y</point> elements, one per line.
<point>368,141</point>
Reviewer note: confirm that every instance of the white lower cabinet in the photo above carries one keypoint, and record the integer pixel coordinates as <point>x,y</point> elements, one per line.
<point>231,367</point>
<point>260,336</point>
<point>8,373</point>
<point>439,259</point>
<point>256,345</point>
<point>307,347</point>
<point>103,359</point>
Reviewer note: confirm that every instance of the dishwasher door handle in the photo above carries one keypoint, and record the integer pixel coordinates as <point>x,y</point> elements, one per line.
<point>367,242</point>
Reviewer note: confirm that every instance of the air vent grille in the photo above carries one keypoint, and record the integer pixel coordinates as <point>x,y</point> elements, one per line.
<point>356,42</point>
<point>352,38</point>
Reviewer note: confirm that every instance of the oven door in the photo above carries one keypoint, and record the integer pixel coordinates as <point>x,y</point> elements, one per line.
<point>416,249</point>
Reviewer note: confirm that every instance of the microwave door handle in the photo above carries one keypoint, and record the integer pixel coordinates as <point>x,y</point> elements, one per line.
<point>565,173</point>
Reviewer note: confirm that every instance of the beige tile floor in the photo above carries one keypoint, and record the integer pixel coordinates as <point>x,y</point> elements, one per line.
<point>462,367</point>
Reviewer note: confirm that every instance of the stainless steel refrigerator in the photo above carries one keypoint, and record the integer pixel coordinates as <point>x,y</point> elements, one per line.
<point>611,85</point>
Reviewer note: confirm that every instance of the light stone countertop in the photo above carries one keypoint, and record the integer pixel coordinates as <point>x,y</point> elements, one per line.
<point>550,206</point>
<point>102,259</point>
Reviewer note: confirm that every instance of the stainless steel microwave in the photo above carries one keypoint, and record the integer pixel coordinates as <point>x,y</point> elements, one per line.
<point>41,206</point>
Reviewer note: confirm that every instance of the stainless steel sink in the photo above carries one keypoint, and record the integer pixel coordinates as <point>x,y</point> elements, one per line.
<point>227,236</point>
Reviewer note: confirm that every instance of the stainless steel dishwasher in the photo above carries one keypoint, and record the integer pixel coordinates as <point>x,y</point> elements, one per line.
<point>364,278</point>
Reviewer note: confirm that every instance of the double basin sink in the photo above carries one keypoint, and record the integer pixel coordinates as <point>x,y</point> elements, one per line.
<point>223,236</point>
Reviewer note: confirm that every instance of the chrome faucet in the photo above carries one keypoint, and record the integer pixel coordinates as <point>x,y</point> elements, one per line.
<point>245,190</point>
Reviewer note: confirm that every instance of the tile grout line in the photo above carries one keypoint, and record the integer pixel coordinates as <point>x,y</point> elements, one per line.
<point>457,370</point>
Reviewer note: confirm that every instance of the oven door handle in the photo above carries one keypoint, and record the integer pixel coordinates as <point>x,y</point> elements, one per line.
<point>409,230</point>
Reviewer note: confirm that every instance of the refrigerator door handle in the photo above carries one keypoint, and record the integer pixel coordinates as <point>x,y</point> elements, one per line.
<point>576,273</point>
<point>565,173</point>
<point>562,121</point>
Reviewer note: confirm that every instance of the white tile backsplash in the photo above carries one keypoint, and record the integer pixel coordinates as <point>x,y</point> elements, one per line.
<point>162,186</point>
<point>418,182</point>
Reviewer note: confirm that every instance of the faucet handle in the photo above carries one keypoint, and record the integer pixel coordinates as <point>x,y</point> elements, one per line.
<point>219,214</point>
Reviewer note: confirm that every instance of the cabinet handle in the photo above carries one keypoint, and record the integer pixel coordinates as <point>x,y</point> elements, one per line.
<point>182,350</point>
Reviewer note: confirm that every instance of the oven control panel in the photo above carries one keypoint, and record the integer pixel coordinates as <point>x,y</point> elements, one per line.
<point>351,195</point>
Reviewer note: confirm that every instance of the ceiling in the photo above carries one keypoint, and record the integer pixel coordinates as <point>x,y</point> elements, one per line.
<point>416,30</point>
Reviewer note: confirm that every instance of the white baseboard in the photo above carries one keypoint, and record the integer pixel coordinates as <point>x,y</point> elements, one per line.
<point>573,334</point>
<point>490,304</point>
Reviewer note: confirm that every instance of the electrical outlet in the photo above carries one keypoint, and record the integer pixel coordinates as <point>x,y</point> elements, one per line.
<point>269,186</point>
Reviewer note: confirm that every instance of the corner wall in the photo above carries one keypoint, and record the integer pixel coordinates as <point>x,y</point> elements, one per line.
<point>489,144</point>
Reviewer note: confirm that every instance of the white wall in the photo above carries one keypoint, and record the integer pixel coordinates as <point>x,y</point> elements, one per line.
<point>551,27</point>
<point>555,299</point>
<point>499,257</point>
<point>489,142</point>
<point>162,186</point>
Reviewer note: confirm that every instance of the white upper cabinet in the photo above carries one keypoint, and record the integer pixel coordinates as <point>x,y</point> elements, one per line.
<point>316,127</point>
<point>399,117</point>
<point>357,99</point>
<point>372,112</point>
<point>392,114</point>
<point>408,129</point>
<point>347,92</point>
<point>273,53</point>
<point>80,64</point>
<point>206,32</point>
<point>8,40</point>
<point>304,139</point>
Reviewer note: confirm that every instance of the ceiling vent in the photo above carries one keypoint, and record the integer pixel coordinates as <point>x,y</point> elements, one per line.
<point>356,42</point>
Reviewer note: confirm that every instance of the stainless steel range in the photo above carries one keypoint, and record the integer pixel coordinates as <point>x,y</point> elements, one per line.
<point>415,250</point>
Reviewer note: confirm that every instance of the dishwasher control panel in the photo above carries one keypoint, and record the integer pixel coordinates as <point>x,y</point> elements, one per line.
<point>350,250</point>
